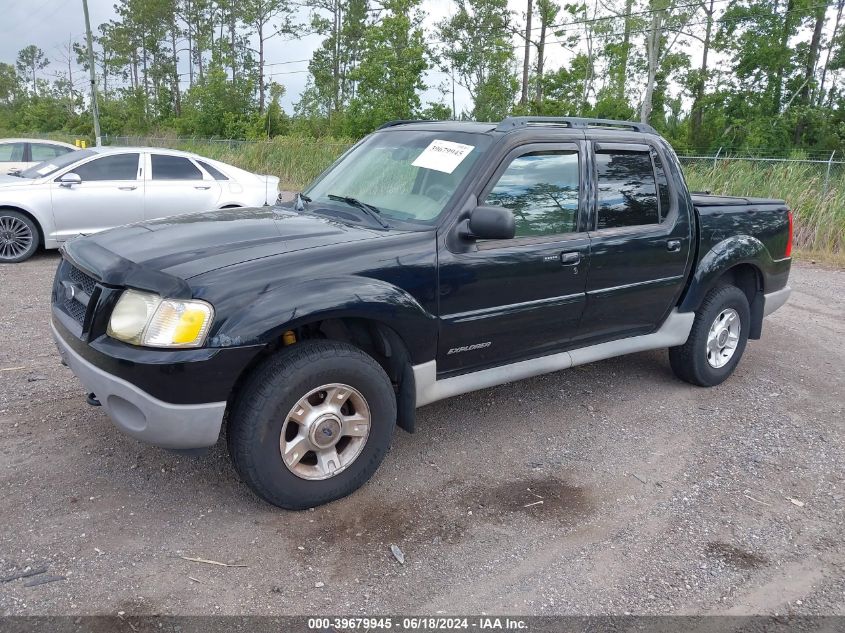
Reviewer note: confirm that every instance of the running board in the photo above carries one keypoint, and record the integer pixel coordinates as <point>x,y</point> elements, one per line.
<point>674,331</point>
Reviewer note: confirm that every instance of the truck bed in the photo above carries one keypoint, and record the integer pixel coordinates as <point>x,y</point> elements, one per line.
<point>707,200</point>
<point>720,217</point>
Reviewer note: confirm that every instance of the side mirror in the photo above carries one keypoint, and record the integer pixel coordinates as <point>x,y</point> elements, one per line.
<point>491,223</point>
<point>69,180</point>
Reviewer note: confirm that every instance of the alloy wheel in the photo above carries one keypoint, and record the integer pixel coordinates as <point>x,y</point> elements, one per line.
<point>723,338</point>
<point>325,431</point>
<point>15,237</point>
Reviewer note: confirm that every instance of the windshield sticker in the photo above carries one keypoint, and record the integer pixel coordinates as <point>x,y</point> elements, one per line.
<point>46,169</point>
<point>443,156</point>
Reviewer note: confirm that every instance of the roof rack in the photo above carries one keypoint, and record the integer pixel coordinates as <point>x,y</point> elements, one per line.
<point>403,122</point>
<point>513,122</point>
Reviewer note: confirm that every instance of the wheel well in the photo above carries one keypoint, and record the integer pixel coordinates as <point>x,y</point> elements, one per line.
<point>374,338</point>
<point>231,206</point>
<point>748,278</point>
<point>31,217</point>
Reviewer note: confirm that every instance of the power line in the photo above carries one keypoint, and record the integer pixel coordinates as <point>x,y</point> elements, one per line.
<point>292,72</point>
<point>27,20</point>
<point>722,20</point>
<point>293,61</point>
<point>623,15</point>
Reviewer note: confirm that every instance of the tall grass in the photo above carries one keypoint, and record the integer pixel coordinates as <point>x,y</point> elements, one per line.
<point>819,214</point>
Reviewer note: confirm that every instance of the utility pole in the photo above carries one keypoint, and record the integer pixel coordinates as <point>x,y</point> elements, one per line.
<point>454,112</point>
<point>526,62</point>
<point>95,108</point>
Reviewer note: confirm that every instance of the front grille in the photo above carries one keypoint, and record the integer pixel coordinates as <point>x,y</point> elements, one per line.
<point>87,283</point>
<point>76,310</point>
<point>74,291</point>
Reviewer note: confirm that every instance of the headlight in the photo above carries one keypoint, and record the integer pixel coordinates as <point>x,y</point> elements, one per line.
<point>143,318</point>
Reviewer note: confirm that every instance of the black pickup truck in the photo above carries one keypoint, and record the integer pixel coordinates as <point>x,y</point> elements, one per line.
<point>430,260</point>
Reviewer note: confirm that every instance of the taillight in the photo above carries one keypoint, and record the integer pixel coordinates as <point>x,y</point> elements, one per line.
<point>789,236</point>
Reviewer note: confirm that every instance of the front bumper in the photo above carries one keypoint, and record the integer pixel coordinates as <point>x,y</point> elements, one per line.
<point>142,415</point>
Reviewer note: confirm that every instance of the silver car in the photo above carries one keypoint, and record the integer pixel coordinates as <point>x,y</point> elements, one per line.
<point>17,154</point>
<point>91,190</point>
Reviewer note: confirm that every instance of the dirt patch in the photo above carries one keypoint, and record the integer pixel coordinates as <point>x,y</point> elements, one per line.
<point>384,523</point>
<point>549,497</point>
<point>447,516</point>
<point>734,556</point>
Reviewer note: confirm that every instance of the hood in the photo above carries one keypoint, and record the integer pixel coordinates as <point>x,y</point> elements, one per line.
<point>189,245</point>
<point>14,181</point>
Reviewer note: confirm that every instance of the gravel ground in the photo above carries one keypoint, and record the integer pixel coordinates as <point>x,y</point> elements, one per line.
<point>657,497</point>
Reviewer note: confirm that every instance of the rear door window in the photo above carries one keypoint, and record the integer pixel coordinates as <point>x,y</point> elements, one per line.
<point>11,152</point>
<point>166,167</point>
<point>212,171</point>
<point>43,151</point>
<point>114,167</point>
<point>627,190</point>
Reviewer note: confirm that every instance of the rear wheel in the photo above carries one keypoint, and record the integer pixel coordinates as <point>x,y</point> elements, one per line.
<point>717,339</point>
<point>18,237</point>
<point>312,424</point>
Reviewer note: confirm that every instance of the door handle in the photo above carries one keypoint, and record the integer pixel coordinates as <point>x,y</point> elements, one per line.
<point>673,246</point>
<point>570,259</point>
<point>130,188</point>
<point>202,187</point>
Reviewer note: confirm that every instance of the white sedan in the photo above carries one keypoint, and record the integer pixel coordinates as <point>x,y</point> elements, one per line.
<point>95,189</point>
<point>17,154</point>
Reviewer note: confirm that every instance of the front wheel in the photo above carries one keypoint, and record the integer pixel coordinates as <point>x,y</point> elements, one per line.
<point>18,237</point>
<point>717,339</point>
<point>312,424</point>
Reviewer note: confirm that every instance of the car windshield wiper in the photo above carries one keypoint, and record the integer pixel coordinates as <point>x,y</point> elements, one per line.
<point>372,211</point>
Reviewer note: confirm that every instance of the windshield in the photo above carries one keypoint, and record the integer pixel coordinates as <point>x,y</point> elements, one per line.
<point>406,175</point>
<point>53,165</point>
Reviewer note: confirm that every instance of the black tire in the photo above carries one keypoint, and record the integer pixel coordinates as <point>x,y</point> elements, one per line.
<point>17,226</point>
<point>689,361</point>
<point>272,390</point>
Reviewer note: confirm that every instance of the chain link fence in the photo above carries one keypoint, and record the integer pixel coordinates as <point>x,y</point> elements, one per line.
<point>818,165</point>
<point>173,142</point>
<point>811,183</point>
